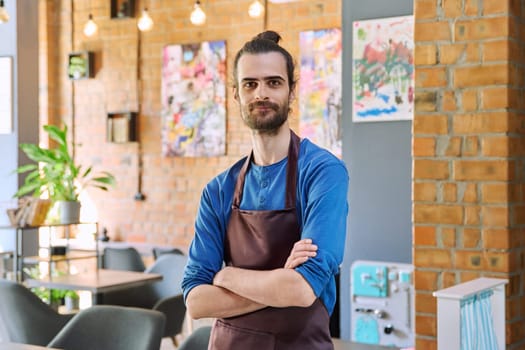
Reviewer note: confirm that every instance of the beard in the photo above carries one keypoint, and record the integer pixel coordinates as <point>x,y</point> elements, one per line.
<point>268,121</point>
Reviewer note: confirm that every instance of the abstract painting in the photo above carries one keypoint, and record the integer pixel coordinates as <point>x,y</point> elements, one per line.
<point>383,69</point>
<point>194,99</point>
<point>320,82</point>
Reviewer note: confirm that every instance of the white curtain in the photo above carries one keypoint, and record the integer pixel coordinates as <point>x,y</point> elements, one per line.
<point>477,326</point>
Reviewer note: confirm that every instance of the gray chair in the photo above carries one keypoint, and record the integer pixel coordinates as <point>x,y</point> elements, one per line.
<point>104,327</point>
<point>25,318</point>
<point>197,340</point>
<point>165,296</point>
<point>158,251</point>
<point>127,259</point>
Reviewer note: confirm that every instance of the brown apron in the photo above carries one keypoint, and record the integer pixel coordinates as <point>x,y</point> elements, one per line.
<point>262,240</point>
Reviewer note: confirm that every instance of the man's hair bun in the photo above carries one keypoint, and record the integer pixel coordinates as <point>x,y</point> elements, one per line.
<point>269,35</point>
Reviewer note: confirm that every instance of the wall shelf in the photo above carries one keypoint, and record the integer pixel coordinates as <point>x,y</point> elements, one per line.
<point>122,9</point>
<point>80,65</point>
<point>122,127</point>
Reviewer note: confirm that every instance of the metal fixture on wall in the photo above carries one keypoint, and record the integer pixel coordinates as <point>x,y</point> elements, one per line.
<point>139,195</point>
<point>4,16</point>
<point>198,17</point>
<point>145,22</point>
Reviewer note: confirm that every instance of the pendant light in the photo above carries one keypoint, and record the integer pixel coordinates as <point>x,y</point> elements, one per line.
<point>90,28</point>
<point>145,22</point>
<point>4,16</point>
<point>197,17</point>
<point>256,9</point>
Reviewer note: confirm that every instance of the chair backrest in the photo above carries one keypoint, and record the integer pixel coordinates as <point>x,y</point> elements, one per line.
<point>158,251</point>
<point>27,319</point>
<point>105,327</point>
<point>128,259</point>
<point>165,296</point>
<point>171,267</point>
<point>168,292</point>
<point>197,340</point>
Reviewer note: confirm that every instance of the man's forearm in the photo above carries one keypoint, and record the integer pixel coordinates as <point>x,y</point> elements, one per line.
<point>213,301</point>
<point>277,288</point>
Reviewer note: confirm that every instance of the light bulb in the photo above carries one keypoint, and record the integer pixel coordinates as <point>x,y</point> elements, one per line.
<point>90,28</point>
<point>198,17</point>
<point>4,16</point>
<point>145,22</point>
<point>256,9</point>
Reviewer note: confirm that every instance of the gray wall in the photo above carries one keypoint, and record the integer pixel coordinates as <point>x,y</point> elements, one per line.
<point>19,40</point>
<point>378,156</point>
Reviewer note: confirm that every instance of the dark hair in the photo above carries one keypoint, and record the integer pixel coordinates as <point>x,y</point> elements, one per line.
<point>265,42</point>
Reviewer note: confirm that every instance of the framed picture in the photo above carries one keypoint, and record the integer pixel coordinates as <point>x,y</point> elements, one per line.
<point>6,95</point>
<point>383,69</point>
<point>320,86</point>
<point>80,65</point>
<point>122,8</point>
<point>194,99</point>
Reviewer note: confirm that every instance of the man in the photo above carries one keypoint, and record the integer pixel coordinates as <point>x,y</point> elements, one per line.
<point>276,219</point>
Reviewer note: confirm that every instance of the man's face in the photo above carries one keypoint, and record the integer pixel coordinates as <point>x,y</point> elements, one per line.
<point>263,92</point>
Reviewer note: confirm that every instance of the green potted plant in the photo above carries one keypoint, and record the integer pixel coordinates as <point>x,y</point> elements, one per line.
<point>71,300</point>
<point>53,297</point>
<point>57,174</point>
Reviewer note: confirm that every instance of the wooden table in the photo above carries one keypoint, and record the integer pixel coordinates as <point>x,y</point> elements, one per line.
<point>16,346</point>
<point>96,281</point>
<point>347,345</point>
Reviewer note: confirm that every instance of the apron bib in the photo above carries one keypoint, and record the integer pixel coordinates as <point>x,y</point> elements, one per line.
<point>262,240</point>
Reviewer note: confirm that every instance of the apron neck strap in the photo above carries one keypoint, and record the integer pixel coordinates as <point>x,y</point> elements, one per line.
<point>291,174</point>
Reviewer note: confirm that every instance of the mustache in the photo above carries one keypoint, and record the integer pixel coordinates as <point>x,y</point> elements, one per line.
<point>264,104</point>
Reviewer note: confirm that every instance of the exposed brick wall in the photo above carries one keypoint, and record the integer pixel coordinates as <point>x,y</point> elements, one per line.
<point>124,81</point>
<point>468,154</point>
<point>468,193</point>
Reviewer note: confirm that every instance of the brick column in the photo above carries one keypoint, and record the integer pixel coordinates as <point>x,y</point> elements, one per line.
<point>468,127</point>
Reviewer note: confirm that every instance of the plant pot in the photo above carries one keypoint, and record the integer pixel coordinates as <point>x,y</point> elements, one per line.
<point>55,304</point>
<point>71,303</point>
<point>68,212</point>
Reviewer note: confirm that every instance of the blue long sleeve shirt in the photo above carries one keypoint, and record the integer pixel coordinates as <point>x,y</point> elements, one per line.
<point>322,208</point>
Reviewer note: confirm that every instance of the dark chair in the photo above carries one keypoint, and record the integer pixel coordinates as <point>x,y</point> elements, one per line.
<point>158,251</point>
<point>165,296</point>
<point>128,259</point>
<point>105,327</point>
<point>197,340</point>
<point>25,318</point>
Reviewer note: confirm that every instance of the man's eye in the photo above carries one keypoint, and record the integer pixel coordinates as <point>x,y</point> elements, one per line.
<point>249,85</point>
<point>274,83</point>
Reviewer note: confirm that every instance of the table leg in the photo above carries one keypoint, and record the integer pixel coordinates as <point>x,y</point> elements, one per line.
<point>17,256</point>
<point>97,298</point>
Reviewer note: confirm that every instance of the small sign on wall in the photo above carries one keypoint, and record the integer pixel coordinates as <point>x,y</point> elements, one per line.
<point>80,65</point>
<point>6,95</point>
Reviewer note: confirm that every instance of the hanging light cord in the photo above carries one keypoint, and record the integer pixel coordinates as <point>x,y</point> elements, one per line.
<point>72,127</point>
<point>265,20</point>
<point>139,196</point>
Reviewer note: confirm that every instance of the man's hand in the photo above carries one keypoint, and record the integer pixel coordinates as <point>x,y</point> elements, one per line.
<point>302,250</point>
<point>281,287</point>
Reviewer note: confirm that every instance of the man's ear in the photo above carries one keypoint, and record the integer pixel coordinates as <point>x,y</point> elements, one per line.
<point>235,94</point>
<point>291,97</point>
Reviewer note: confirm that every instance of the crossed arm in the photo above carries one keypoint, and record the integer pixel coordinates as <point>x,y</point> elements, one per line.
<point>237,291</point>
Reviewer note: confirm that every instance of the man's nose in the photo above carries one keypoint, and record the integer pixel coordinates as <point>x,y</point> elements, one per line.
<point>260,93</point>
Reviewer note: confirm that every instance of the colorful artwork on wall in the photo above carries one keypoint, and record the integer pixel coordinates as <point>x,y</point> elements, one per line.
<point>194,99</point>
<point>383,69</point>
<point>320,85</point>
